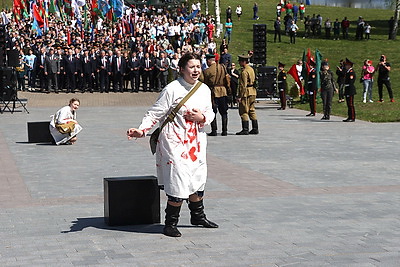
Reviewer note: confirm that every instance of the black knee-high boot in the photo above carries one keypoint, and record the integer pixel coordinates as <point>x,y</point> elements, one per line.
<point>213,128</point>
<point>197,216</point>
<point>171,220</point>
<point>254,124</point>
<point>224,125</point>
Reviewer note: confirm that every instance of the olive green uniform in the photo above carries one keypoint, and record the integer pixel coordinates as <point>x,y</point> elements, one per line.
<point>215,77</point>
<point>247,94</point>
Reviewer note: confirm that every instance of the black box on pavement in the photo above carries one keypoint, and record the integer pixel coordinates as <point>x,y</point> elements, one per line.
<point>131,200</point>
<point>39,132</point>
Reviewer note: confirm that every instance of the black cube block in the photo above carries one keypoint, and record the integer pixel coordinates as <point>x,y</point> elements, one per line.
<point>39,132</point>
<point>131,200</point>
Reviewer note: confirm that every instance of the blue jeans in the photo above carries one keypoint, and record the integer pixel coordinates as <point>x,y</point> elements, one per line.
<point>368,89</point>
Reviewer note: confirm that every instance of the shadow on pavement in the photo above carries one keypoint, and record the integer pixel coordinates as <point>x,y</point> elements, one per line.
<point>99,223</point>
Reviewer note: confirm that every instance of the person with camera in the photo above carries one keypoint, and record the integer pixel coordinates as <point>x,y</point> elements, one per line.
<point>383,69</point>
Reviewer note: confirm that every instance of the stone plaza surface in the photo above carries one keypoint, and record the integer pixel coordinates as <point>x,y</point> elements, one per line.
<point>303,192</point>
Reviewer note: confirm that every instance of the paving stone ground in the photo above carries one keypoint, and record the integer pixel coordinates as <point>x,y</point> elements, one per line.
<point>301,193</point>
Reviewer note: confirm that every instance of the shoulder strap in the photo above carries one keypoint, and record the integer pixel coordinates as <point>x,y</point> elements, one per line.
<point>172,115</point>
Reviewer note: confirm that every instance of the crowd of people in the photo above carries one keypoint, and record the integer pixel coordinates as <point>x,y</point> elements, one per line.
<point>139,51</point>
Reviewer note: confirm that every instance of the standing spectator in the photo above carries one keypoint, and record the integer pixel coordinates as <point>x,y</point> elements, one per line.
<point>103,68</point>
<point>162,65</point>
<point>239,11</point>
<point>226,58</point>
<point>147,66</point>
<point>52,70</point>
<point>367,31</point>
<point>293,31</point>
<point>174,66</point>
<point>70,71</point>
<point>328,27</point>
<point>345,28</point>
<point>228,30</point>
<point>134,65</point>
<point>360,28</point>
<point>383,69</point>
<point>234,73</point>
<point>255,12</point>
<point>211,46</point>
<point>40,69</point>
<point>336,29</point>
<point>229,13</point>
<point>367,77</point>
<point>87,72</point>
<point>30,69</point>
<point>349,90</point>
<point>282,85</point>
<point>223,45</point>
<point>295,12</point>
<point>20,68</point>
<point>319,24</point>
<point>340,72</point>
<point>327,88</point>
<point>118,68</point>
<point>279,10</point>
<point>302,10</point>
<point>210,30</point>
<point>277,29</point>
<point>307,26</point>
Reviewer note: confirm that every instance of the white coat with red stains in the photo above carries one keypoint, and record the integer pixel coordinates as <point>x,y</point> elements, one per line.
<point>181,149</point>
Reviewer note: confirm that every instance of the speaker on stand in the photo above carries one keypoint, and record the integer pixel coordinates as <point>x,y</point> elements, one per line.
<point>260,44</point>
<point>267,82</point>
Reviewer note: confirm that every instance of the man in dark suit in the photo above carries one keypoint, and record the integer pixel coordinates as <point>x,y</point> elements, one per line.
<point>147,66</point>
<point>87,72</point>
<point>162,65</point>
<point>40,68</point>
<point>118,68</point>
<point>52,70</point>
<point>178,43</point>
<point>70,71</point>
<point>103,68</point>
<point>79,70</point>
<point>134,65</point>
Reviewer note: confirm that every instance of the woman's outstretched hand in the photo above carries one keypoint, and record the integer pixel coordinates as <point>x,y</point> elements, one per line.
<point>134,133</point>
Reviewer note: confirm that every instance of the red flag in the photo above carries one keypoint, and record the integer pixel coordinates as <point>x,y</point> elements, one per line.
<point>37,16</point>
<point>295,75</point>
<point>68,37</point>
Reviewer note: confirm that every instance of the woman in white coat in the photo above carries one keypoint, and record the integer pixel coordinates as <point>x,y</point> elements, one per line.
<point>63,125</point>
<point>181,148</point>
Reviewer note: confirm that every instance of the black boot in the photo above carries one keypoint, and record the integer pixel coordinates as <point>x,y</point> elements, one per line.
<point>224,125</point>
<point>197,216</point>
<point>213,128</point>
<point>245,128</point>
<point>254,125</point>
<point>171,220</point>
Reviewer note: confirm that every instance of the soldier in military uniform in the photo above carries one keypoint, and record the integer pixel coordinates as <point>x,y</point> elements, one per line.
<point>312,89</point>
<point>282,85</point>
<point>328,86</point>
<point>215,77</point>
<point>349,90</point>
<point>247,97</point>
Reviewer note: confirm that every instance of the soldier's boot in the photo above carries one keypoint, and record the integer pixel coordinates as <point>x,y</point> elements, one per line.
<point>213,128</point>
<point>224,125</point>
<point>254,124</point>
<point>197,216</point>
<point>245,128</point>
<point>171,220</point>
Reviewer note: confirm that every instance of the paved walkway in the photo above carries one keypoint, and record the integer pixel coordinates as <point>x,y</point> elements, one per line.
<point>302,193</point>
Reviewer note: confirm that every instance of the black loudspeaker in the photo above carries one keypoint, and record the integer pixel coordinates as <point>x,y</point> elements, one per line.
<point>266,81</point>
<point>260,44</point>
<point>39,132</point>
<point>131,200</point>
<point>7,84</point>
<point>12,58</point>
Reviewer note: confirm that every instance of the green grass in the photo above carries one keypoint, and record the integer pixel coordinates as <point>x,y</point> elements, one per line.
<point>357,51</point>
